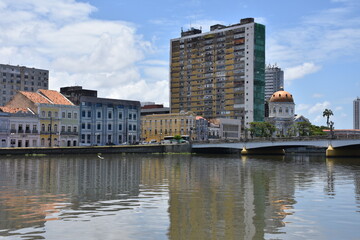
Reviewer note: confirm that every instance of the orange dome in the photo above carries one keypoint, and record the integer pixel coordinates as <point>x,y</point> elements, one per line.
<point>281,96</point>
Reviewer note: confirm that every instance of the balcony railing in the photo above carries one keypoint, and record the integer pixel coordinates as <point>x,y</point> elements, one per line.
<point>69,133</point>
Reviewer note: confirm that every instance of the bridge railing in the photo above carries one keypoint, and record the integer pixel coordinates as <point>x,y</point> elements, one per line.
<point>284,139</point>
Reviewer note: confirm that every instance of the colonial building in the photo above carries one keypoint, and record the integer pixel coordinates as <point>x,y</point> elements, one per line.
<point>23,128</point>
<point>157,126</point>
<point>281,112</point>
<point>105,121</point>
<point>55,113</point>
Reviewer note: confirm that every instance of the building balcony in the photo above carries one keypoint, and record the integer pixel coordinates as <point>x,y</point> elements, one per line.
<point>12,130</point>
<point>27,131</point>
<point>21,131</point>
<point>35,131</point>
<point>69,133</point>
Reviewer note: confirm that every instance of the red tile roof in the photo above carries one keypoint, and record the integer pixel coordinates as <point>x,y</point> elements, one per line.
<point>55,97</point>
<point>13,110</point>
<point>35,97</point>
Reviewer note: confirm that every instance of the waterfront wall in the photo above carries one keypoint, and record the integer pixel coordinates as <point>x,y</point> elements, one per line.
<point>171,148</point>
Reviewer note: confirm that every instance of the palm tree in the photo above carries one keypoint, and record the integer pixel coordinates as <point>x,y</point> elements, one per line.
<point>327,113</point>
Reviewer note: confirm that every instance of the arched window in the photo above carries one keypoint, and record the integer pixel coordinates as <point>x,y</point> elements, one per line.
<point>49,113</point>
<point>280,110</point>
<point>43,142</point>
<point>287,110</point>
<point>55,127</point>
<point>43,127</point>
<point>49,127</point>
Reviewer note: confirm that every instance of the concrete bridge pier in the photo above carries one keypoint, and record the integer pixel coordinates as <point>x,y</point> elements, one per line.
<point>263,151</point>
<point>342,152</point>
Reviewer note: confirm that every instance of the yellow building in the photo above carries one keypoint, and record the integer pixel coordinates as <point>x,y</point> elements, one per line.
<point>157,126</point>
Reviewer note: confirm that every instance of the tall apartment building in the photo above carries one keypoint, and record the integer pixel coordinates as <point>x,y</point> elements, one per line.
<point>221,73</point>
<point>357,113</point>
<point>20,78</point>
<point>274,80</point>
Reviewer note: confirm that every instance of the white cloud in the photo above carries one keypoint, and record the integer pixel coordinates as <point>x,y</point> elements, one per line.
<point>300,71</point>
<point>319,107</point>
<point>325,35</point>
<point>78,50</point>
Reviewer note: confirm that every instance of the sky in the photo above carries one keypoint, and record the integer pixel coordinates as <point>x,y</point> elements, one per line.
<point>121,47</point>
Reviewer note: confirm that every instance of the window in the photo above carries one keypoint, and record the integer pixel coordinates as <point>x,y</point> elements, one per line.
<point>134,116</point>
<point>109,126</point>
<point>109,115</point>
<point>63,128</point>
<point>120,115</point>
<point>49,127</point>
<point>89,114</point>
<point>75,115</point>
<point>130,128</point>
<point>83,126</point>
<point>83,138</point>
<point>69,114</point>
<point>83,113</point>
<point>120,127</point>
<point>98,126</point>
<point>98,114</point>
<point>75,130</point>
<point>88,126</point>
<point>280,110</point>
<point>130,116</point>
<point>43,127</point>
<point>69,128</point>
<point>43,113</point>
<point>56,114</point>
<point>88,138</point>
<point>49,114</point>
<point>98,139</point>
<point>63,114</point>
<point>134,127</point>
<point>55,127</point>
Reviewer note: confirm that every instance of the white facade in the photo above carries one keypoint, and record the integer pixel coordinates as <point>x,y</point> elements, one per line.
<point>24,130</point>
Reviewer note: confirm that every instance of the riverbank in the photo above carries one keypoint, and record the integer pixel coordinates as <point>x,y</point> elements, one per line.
<point>151,148</point>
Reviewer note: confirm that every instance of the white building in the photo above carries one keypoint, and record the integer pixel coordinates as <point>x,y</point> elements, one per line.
<point>24,128</point>
<point>281,112</point>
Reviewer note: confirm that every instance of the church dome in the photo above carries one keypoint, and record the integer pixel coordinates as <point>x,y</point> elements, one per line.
<point>281,96</point>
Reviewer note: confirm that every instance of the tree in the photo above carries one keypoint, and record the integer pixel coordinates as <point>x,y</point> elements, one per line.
<point>327,113</point>
<point>262,129</point>
<point>304,128</point>
<point>177,137</point>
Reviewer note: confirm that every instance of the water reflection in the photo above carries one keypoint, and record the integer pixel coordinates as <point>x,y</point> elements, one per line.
<point>177,196</point>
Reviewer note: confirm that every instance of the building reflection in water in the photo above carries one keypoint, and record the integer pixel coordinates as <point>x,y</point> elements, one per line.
<point>35,190</point>
<point>228,199</point>
<point>212,197</point>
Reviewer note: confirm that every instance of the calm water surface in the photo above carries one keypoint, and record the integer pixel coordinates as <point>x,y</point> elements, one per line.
<point>179,197</point>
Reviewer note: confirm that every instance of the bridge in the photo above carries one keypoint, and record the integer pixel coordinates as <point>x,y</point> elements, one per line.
<point>334,147</point>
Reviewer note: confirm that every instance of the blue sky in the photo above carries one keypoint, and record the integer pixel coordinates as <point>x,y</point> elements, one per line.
<point>121,47</point>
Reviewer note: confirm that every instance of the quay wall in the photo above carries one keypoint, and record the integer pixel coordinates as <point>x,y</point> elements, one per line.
<point>171,148</point>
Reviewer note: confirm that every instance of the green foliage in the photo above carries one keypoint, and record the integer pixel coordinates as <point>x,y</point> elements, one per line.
<point>261,129</point>
<point>307,129</point>
<point>177,137</point>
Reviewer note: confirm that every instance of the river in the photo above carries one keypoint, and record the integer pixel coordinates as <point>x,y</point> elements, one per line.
<point>179,196</point>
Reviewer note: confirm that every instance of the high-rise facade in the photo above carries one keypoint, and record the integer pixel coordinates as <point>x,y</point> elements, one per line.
<point>20,78</point>
<point>274,80</point>
<point>220,73</point>
<point>357,113</point>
